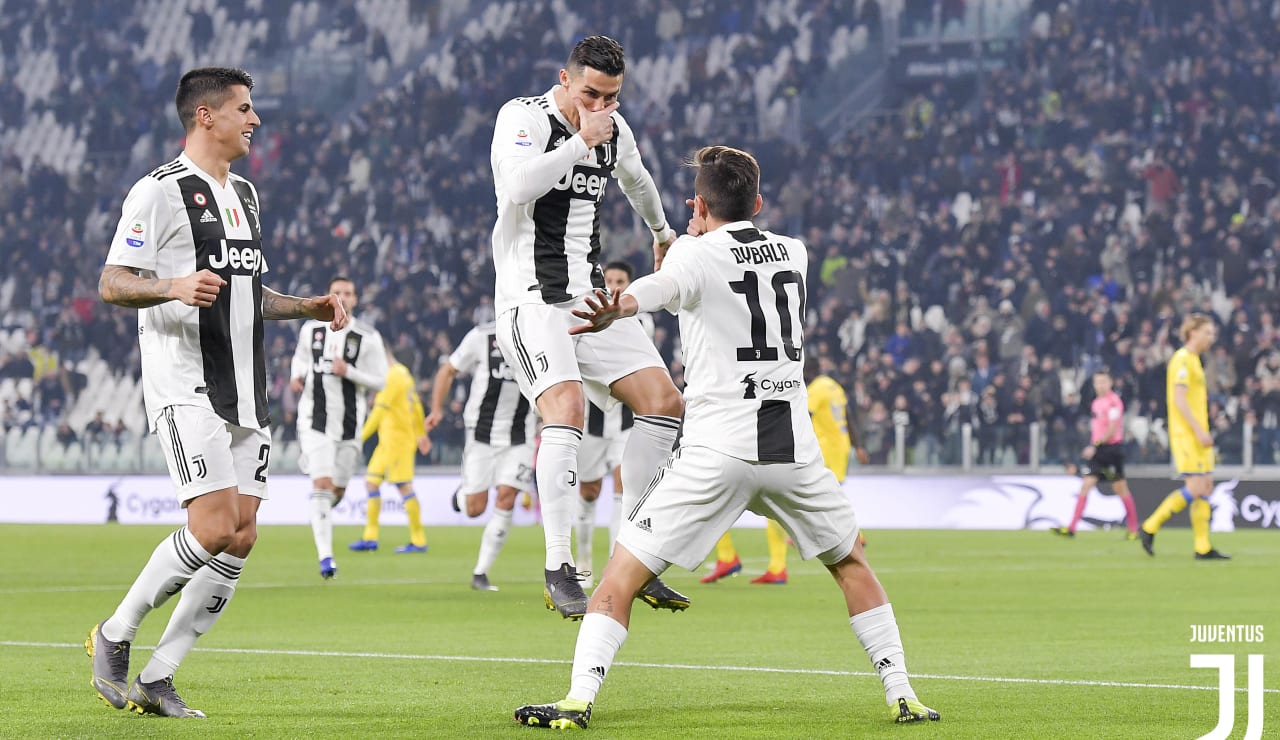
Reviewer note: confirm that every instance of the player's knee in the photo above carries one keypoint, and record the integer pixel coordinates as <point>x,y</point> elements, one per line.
<point>589,490</point>
<point>662,399</point>
<point>476,503</point>
<point>245,538</point>
<point>506,499</point>
<point>562,403</point>
<point>214,534</point>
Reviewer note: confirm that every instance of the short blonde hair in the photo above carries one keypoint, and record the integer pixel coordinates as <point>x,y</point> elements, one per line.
<point>1191,323</point>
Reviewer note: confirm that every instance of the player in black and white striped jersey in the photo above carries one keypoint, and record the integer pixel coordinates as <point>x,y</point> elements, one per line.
<point>332,372</point>
<point>499,449</point>
<point>553,156</point>
<point>188,252</point>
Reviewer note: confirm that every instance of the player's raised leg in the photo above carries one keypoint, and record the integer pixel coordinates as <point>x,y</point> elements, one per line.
<point>658,407</point>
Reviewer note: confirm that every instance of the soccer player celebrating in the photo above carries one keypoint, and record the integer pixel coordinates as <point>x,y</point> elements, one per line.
<point>1103,459</point>
<point>740,295</point>
<point>829,410</point>
<point>332,371</point>
<point>1189,439</point>
<point>397,419</point>
<point>499,447</point>
<point>188,253</point>
<point>553,156</point>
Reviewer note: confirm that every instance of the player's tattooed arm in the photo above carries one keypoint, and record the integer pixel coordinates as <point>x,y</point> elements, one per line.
<point>276,306</point>
<point>138,288</point>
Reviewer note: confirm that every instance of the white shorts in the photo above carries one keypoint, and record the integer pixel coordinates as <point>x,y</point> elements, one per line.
<point>535,341</point>
<point>700,493</point>
<point>598,456</point>
<point>204,453</point>
<point>324,457</point>
<point>485,466</point>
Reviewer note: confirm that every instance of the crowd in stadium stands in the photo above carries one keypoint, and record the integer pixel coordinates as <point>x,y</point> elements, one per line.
<point>973,258</point>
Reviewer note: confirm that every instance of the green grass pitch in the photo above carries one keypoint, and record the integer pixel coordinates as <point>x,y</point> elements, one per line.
<point>1008,635</point>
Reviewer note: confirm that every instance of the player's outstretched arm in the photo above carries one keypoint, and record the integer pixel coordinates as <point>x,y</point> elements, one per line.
<point>131,288</point>
<point>276,306</point>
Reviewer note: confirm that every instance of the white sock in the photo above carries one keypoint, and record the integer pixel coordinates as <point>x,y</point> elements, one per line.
<point>174,561</point>
<point>599,641</point>
<point>615,521</point>
<point>321,522</point>
<point>557,474</point>
<point>877,630</point>
<point>495,533</point>
<point>647,448</point>
<point>203,601</point>
<point>584,527</point>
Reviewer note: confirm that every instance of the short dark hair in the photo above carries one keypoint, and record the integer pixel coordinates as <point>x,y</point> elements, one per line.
<point>206,86</point>
<point>728,180</point>
<point>622,265</point>
<point>600,53</point>
<point>1102,370</point>
<point>339,279</point>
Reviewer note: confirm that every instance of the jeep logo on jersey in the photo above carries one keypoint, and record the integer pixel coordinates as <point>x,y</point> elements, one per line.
<point>244,260</point>
<point>583,185</point>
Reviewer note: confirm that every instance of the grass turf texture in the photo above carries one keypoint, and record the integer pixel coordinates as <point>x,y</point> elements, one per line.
<point>399,645</point>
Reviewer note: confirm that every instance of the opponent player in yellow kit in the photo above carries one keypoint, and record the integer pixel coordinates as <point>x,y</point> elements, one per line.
<point>397,418</point>
<point>1189,439</point>
<point>829,410</point>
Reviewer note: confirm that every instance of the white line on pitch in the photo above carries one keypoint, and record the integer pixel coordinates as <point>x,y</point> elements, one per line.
<point>668,666</point>
<point>680,575</point>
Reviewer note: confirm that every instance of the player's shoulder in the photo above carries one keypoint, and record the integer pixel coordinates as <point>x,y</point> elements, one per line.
<point>535,107</point>
<point>172,170</point>
<point>233,177</point>
<point>364,327</point>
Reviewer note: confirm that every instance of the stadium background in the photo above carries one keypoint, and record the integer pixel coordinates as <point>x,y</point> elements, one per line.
<point>989,221</point>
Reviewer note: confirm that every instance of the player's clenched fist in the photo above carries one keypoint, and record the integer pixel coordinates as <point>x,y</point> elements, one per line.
<point>198,289</point>
<point>596,127</point>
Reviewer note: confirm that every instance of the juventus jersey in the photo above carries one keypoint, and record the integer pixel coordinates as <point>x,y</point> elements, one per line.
<point>333,404</point>
<point>549,186</point>
<point>740,296</point>
<point>177,221</point>
<point>497,413</point>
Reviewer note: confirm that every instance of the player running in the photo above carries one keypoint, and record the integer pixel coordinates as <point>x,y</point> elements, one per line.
<point>397,419</point>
